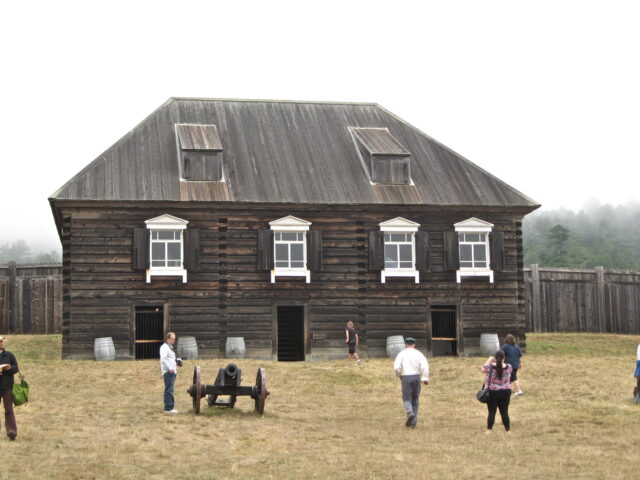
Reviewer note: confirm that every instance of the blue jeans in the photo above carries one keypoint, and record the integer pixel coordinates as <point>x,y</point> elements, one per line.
<point>169,383</point>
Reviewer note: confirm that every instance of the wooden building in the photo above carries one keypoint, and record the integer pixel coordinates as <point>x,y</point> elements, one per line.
<point>279,222</point>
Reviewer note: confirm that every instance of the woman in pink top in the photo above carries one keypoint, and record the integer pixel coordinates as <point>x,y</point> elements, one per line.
<point>498,377</point>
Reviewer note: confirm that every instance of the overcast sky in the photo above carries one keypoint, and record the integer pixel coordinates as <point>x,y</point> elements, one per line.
<point>545,95</point>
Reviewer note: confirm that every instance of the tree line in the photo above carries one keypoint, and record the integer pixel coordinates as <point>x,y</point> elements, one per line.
<point>21,252</point>
<point>597,235</point>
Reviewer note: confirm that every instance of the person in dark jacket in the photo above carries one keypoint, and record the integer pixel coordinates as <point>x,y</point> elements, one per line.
<point>8,368</point>
<point>513,357</point>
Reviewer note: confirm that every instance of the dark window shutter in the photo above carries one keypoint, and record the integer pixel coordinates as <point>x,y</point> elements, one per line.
<point>140,248</point>
<point>314,250</point>
<point>192,249</point>
<point>451,251</point>
<point>496,242</point>
<point>422,251</point>
<point>265,250</point>
<point>376,250</point>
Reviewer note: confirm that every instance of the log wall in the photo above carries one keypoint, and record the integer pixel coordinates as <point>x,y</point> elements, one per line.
<point>228,296</point>
<point>553,300</point>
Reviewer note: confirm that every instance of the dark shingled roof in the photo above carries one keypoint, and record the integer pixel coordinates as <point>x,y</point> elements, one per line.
<point>283,151</point>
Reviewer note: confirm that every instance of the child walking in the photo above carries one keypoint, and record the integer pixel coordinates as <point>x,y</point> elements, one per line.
<point>352,340</point>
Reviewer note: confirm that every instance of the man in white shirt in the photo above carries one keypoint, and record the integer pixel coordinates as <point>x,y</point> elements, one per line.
<point>169,368</point>
<point>413,369</point>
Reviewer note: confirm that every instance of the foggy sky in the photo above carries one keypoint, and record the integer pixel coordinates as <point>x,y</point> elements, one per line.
<point>544,95</point>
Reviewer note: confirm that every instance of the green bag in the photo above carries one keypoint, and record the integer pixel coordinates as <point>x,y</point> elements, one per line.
<point>20,392</point>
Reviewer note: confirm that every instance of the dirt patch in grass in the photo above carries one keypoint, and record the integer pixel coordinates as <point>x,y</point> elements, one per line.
<point>328,420</point>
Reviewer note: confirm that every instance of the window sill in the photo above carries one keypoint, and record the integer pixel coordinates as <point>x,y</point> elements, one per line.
<point>399,273</point>
<point>474,273</point>
<point>167,272</point>
<point>291,272</point>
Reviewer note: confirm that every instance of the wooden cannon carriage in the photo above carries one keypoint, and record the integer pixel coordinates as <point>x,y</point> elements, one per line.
<point>227,383</point>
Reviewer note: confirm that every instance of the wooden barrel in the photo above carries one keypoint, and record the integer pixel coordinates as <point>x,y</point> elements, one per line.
<point>187,348</point>
<point>489,343</point>
<point>235,347</point>
<point>395,344</point>
<point>103,349</point>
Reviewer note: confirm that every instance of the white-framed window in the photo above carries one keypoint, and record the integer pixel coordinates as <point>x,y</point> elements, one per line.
<point>473,248</point>
<point>290,248</point>
<point>399,236</point>
<point>166,247</point>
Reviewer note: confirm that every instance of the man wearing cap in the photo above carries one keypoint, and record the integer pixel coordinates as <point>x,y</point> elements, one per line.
<point>413,369</point>
<point>8,368</point>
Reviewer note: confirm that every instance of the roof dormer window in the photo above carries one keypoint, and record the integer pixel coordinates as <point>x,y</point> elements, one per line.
<point>386,160</point>
<point>199,153</point>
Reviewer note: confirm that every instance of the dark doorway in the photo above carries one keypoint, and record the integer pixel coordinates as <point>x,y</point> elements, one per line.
<point>149,331</point>
<point>444,338</point>
<point>291,334</point>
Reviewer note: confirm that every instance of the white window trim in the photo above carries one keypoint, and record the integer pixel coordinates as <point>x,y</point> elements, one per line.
<point>297,225</point>
<point>167,222</point>
<point>475,225</point>
<point>401,225</point>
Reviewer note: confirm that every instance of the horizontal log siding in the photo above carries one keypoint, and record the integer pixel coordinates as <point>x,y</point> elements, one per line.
<point>227,296</point>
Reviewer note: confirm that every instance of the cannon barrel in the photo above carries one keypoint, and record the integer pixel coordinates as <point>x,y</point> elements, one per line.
<point>231,370</point>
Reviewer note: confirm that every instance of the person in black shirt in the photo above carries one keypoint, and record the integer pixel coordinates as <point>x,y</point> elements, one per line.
<point>8,368</point>
<point>351,339</point>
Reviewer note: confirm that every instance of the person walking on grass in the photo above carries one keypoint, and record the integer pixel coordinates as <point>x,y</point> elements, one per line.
<point>8,368</point>
<point>169,368</point>
<point>352,341</point>
<point>513,357</point>
<point>413,369</point>
<point>498,379</point>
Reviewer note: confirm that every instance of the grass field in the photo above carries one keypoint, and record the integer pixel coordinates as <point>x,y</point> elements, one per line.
<point>329,420</point>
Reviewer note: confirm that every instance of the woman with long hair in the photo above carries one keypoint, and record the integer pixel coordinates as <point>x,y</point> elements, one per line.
<point>498,376</point>
<point>513,357</point>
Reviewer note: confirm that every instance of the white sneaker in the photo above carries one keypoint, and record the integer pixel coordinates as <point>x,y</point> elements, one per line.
<point>358,362</point>
<point>520,393</point>
<point>171,412</point>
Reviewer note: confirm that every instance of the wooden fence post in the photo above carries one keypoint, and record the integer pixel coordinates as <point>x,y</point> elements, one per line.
<point>600,311</point>
<point>536,305</point>
<point>13,293</point>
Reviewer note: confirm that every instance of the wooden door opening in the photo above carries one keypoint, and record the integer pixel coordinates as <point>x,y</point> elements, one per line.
<point>444,338</point>
<point>291,334</point>
<point>149,331</point>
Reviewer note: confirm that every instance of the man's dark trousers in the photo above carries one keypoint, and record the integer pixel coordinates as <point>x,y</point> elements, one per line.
<point>9,416</point>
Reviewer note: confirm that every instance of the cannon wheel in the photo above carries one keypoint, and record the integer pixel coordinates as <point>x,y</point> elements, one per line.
<point>197,394</point>
<point>261,390</point>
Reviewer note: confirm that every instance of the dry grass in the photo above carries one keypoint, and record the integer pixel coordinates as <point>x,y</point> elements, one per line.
<point>329,420</point>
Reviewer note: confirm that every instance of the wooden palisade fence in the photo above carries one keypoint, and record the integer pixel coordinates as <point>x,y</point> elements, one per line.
<point>30,298</point>
<point>570,300</point>
<point>556,300</point>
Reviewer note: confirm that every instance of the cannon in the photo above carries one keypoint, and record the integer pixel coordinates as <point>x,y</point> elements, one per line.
<point>228,383</point>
